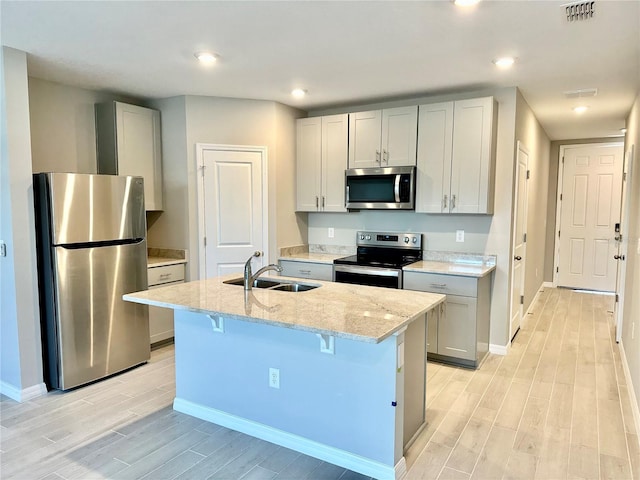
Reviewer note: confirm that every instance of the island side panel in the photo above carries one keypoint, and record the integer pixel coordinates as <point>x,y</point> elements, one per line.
<point>343,400</point>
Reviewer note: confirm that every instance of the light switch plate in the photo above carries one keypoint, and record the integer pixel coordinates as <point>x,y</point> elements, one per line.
<point>331,232</point>
<point>459,235</point>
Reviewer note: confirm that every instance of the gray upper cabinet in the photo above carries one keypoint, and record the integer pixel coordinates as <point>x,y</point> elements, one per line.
<point>383,138</point>
<point>321,159</point>
<point>456,156</point>
<point>129,143</point>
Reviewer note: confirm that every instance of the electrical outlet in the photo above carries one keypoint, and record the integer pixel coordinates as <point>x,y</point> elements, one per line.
<point>3,249</point>
<point>274,378</point>
<point>331,232</point>
<point>459,235</point>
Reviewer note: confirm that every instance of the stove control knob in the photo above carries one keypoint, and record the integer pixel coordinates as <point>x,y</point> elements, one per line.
<point>368,237</point>
<point>406,239</point>
<point>361,237</point>
<point>415,239</point>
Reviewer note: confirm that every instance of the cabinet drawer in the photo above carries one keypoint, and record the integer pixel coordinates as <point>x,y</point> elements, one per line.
<point>316,271</point>
<point>165,274</point>
<point>436,283</point>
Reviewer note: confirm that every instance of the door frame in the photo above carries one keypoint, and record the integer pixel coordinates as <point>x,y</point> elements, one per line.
<point>523,148</point>
<point>200,167</point>
<point>556,252</point>
<point>623,246</point>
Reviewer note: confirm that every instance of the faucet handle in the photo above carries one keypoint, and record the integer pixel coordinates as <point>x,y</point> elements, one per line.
<point>257,253</point>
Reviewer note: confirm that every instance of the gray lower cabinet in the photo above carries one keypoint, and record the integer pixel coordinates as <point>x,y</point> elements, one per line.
<point>161,319</point>
<point>458,331</point>
<point>311,270</point>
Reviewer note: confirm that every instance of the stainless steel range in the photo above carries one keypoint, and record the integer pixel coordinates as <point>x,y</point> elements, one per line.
<point>379,259</point>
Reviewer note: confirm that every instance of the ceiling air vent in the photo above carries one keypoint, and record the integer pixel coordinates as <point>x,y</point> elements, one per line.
<point>579,11</point>
<point>582,93</point>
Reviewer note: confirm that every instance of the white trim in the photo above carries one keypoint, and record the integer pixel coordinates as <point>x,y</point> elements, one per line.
<point>547,284</point>
<point>623,246</point>
<point>200,148</point>
<point>556,254</point>
<point>635,408</point>
<point>499,349</point>
<point>25,394</point>
<point>327,453</point>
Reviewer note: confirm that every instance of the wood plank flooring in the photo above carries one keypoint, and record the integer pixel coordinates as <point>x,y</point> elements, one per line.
<point>555,407</point>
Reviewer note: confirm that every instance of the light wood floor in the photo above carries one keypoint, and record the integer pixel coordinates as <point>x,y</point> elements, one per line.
<point>555,407</point>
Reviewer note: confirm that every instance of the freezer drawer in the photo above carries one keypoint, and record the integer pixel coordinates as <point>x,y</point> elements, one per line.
<point>95,333</point>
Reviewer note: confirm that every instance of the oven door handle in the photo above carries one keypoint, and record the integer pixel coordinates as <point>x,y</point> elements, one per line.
<point>396,188</point>
<point>379,272</point>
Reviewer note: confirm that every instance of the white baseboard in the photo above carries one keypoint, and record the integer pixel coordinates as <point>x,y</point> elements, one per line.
<point>22,395</point>
<point>498,349</point>
<point>547,284</point>
<point>327,453</point>
<point>635,408</point>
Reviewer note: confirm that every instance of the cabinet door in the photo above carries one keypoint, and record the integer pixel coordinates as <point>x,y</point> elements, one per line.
<point>365,130</point>
<point>472,156</point>
<point>433,318</point>
<point>399,133</point>
<point>435,140</point>
<point>308,164</point>
<point>457,328</point>
<point>139,150</point>
<point>335,129</point>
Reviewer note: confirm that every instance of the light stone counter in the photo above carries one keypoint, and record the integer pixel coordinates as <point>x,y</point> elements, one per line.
<point>326,258</point>
<point>451,268</point>
<point>160,257</point>
<point>366,314</point>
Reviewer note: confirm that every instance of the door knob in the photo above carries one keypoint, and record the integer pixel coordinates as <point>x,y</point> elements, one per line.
<point>518,257</point>
<point>619,257</point>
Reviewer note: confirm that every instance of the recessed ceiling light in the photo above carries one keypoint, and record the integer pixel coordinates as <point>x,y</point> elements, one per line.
<point>465,3</point>
<point>206,58</point>
<point>298,92</point>
<point>504,62</point>
<point>580,108</point>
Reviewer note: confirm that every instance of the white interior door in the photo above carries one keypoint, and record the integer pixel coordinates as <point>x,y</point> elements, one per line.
<point>623,242</point>
<point>519,240</point>
<point>232,207</point>
<point>589,209</point>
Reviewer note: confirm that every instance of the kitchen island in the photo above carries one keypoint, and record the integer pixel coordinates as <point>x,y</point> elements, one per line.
<point>336,372</point>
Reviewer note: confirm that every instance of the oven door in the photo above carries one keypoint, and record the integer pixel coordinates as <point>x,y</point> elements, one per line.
<point>372,276</point>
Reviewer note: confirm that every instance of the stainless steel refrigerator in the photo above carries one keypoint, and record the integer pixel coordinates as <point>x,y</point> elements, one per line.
<point>91,250</point>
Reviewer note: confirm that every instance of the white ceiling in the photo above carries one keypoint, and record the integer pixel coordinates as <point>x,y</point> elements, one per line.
<point>341,52</point>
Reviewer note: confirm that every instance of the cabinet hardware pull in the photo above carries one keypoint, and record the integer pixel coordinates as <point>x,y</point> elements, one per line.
<point>445,202</point>
<point>377,156</point>
<point>453,201</point>
<point>439,285</point>
<point>385,157</point>
<point>316,202</point>
<point>323,201</point>
<point>308,272</point>
<point>517,257</point>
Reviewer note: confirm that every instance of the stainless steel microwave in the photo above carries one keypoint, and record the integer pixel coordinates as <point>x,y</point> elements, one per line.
<point>380,188</point>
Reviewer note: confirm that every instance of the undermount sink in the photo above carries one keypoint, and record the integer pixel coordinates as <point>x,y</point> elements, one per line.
<point>281,286</point>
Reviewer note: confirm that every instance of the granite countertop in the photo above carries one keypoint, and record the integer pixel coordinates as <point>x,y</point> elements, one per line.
<point>366,314</point>
<point>311,257</point>
<point>451,268</point>
<point>160,257</point>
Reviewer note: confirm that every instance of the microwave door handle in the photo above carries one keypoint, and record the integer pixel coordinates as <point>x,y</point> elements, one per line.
<point>347,194</point>
<point>396,188</point>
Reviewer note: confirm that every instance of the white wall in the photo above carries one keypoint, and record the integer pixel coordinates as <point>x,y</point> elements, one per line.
<point>631,314</point>
<point>21,354</point>
<point>484,234</point>
<point>189,120</point>
<point>533,137</point>
<point>63,134</point>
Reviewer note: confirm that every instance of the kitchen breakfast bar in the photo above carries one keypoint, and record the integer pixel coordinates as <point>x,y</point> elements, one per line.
<point>337,371</point>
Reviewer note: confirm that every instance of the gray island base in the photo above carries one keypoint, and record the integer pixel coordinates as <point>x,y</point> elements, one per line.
<point>337,372</point>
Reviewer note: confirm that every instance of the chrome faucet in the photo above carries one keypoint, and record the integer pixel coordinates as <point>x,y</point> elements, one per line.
<point>250,277</point>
